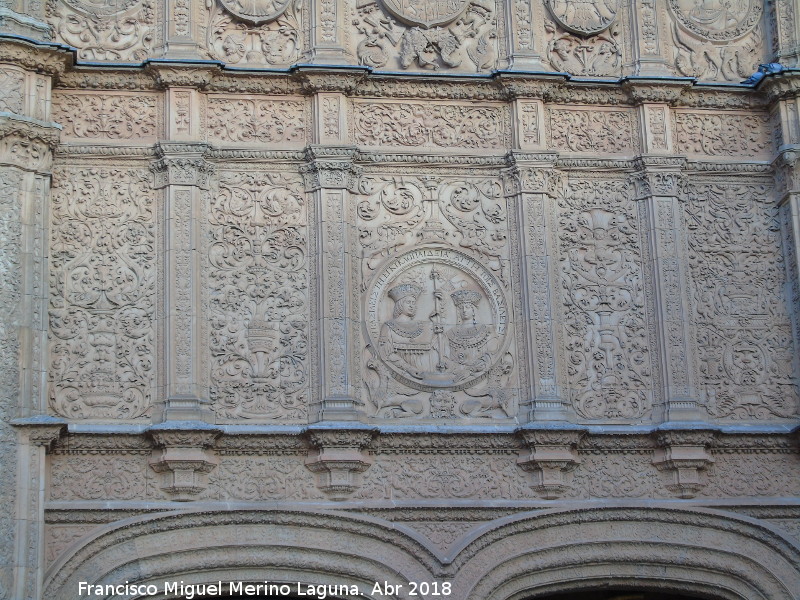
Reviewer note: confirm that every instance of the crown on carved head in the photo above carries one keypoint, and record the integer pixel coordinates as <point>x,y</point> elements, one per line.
<point>399,292</point>
<point>465,297</point>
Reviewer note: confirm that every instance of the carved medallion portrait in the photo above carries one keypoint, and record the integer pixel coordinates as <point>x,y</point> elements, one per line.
<point>426,13</point>
<point>717,19</point>
<point>584,17</point>
<point>437,318</point>
<point>256,11</point>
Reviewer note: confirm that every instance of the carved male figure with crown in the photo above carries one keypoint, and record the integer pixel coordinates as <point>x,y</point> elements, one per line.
<point>405,341</point>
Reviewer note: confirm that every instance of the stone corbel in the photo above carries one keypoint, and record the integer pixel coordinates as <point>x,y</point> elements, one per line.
<point>331,167</point>
<point>338,457</point>
<point>183,457</point>
<point>684,453</point>
<point>550,454</point>
<point>41,430</point>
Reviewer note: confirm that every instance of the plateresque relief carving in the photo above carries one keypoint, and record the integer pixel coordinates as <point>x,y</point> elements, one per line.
<point>430,35</point>
<point>107,117</point>
<point>256,120</point>
<point>265,32</point>
<point>102,282</point>
<point>604,312</point>
<point>437,315</point>
<point>717,39</point>
<point>258,280</point>
<point>121,30</point>
<point>584,38</point>
<point>743,330</point>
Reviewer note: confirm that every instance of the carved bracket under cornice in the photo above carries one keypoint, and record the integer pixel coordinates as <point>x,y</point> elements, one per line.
<point>338,458</point>
<point>684,453</point>
<point>182,163</point>
<point>41,430</point>
<point>550,455</point>
<point>331,167</point>
<point>183,457</point>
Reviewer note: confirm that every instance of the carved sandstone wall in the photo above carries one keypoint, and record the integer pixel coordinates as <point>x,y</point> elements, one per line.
<point>463,285</point>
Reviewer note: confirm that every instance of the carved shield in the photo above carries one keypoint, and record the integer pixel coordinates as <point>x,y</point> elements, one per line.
<point>256,11</point>
<point>717,19</point>
<point>426,13</point>
<point>584,17</point>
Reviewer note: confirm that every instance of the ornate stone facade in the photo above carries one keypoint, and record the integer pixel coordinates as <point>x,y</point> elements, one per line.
<point>356,291</point>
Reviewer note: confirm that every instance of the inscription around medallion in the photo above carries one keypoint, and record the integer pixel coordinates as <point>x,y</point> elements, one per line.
<point>438,319</point>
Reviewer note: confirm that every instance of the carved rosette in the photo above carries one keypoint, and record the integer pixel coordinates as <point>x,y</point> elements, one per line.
<point>338,458</point>
<point>458,35</point>
<point>257,32</point>
<point>102,30</point>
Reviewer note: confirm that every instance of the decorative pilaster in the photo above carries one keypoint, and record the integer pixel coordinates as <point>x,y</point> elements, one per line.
<point>550,455</point>
<point>684,454</point>
<point>180,29</point>
<point>182,173</point>
<point>36,437</point>
<point>330,177</point>
<point>338,458</point>
<point>183,457</point>
<point>328,18</point>
<point>648,35</point>
<point>785,17</point>
<point>531,186</point>
<point>525,35</point>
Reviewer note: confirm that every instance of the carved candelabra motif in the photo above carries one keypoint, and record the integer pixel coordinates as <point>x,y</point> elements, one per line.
<point>259,272</point>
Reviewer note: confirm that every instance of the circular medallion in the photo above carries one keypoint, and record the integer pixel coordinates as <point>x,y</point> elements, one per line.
<point>584,17</point>
<point>426,13</point>
<point>437,319</point>
<point>256,11</point>
<point>103,8</point>
<point>718,20</point>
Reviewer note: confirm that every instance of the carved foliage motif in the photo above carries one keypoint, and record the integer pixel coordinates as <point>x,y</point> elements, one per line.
<point>120,30</point>
<point>601,132</point>
<point>253,478</point>
<point>102,300</point>
<point>261,32</point>
<point>710,134</point>
<point>456,35</point>
<point>744,336</point>
<point>430,125</point>
<point>603,297</point>
<point>599,55</point>
<point>111,477</point>
<point>117,117</point>
<point>11,87</point>
<point>256,120</point>
<point>438,318</point>
<point>258,280</point>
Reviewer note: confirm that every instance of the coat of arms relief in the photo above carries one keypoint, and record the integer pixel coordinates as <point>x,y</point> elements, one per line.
<point>434,35</point>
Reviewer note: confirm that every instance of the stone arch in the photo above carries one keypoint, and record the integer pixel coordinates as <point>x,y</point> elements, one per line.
<point>701,552</point>
<point>313,547</point>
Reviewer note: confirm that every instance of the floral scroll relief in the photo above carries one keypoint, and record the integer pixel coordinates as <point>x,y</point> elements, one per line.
<point>456,35</point>
<point>259,279</point>
<point>105,29</point>
<point>434,273</point>
<point>744,334</point>
<point>103,287</point>
<point>603,298</point>
<point>265,32</point>
<point>715,40</point>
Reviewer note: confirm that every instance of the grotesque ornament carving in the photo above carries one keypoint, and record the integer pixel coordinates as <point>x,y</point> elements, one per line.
<point>599,55</point>
<point>258,283</point>
<point>103,284</point>
<point>604,303</point>
<point>719,20</point>
<point>104,29</point>
<point>265,32</point>
<point>431,34</point>
<point>256,11</point>
<point>584,17</point>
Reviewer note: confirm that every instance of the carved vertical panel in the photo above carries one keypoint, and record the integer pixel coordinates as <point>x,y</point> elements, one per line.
<point>258,278</point>
<point>605,321</point>
<point>102,293</point>
<point>743,330</point>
